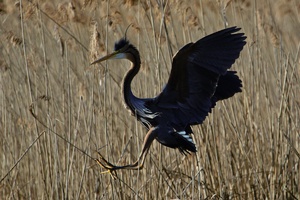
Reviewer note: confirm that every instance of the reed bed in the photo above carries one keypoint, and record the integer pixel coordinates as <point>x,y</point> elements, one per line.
<point>57,112</point>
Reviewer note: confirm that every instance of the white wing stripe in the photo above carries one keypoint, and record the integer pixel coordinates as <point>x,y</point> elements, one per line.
<point>186,136</point>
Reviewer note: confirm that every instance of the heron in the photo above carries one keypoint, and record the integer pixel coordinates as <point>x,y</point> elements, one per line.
<point>199,78</point>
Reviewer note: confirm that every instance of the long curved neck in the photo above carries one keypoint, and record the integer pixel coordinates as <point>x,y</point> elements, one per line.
<point>129,98</point>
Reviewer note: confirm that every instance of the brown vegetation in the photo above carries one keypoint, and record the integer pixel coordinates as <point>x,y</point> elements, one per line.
<point>248,147</point>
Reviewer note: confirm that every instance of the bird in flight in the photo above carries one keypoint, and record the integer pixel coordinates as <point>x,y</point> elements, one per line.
<point>199,78</point>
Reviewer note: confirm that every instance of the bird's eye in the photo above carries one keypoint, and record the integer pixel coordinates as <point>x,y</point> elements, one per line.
<point>120,56</point>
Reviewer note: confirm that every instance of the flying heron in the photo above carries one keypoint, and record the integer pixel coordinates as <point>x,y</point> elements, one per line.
<point>199,78</point>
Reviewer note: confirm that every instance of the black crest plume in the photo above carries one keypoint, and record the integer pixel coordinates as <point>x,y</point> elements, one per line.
<point>123,41</point>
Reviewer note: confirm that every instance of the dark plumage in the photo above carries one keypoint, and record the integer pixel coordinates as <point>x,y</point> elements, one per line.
<point>121,43</point>
<point>199,79</point>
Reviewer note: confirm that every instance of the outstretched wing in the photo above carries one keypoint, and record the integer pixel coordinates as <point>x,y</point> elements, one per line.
<point>196,69</point>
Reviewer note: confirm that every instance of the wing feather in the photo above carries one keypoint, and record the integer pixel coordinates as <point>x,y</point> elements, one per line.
<point>196,69</point>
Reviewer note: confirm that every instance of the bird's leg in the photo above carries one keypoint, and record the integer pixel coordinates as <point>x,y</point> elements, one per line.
<point>151,135</point>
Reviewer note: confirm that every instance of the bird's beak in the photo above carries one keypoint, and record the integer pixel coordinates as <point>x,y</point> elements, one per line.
<point>107,57</point>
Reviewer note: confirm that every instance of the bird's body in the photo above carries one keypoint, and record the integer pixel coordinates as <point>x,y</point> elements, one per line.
<point>199,78</point>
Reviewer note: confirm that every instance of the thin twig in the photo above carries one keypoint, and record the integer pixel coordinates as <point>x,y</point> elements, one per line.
<point>21,157</point>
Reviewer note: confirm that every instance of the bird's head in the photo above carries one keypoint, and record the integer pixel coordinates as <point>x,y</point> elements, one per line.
<point>122,50</point>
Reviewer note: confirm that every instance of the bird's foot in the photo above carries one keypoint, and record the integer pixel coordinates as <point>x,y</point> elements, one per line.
<point>107,165</point>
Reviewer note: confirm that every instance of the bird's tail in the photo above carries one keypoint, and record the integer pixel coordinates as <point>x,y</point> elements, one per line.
<point>228,85</point>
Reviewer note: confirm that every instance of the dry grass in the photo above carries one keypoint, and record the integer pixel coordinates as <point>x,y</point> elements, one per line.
<point>248,148</point>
